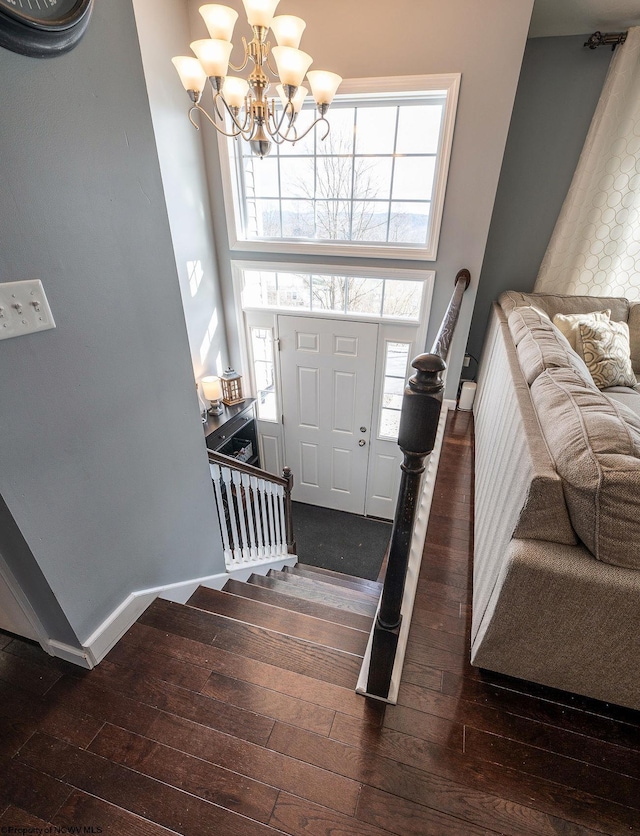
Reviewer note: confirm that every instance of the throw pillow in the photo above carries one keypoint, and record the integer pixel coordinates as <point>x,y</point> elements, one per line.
<point>568,324</point>
<point>606,352</point>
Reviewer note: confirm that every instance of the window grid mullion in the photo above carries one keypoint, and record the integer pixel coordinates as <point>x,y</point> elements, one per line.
<point>393,171</point>
<point>279,192</point>
<point>353,171</point>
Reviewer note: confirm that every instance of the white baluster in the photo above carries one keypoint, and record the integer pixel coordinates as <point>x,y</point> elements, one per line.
<point>272,535</point>
<point>283,524</point>
<point>237,553</point>
<point>265,517</point>
<point>246,484</point>
<point>276,509</point>
<point>256,484</point>
<point>244,545</point>
<point>215,476</point>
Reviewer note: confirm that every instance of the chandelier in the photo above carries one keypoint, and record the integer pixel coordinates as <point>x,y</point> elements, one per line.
<point>252,115</point>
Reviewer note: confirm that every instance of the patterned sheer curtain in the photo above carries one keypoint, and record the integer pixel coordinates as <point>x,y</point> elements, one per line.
<point>595,246</point>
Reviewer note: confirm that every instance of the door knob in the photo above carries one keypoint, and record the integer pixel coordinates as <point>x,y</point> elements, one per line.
<point>362,442</point>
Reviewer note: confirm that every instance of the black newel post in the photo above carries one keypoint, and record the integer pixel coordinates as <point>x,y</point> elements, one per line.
<point>418,427</point>
<point>288,510</point>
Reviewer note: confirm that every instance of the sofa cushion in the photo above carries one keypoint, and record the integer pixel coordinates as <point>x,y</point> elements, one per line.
<point>604,346</point>
<point>554,303</point>
<point>625,396</point>
<point>569,324</point>
<point>595,443</point>
<point>634,335</point>
<point>541,346</point>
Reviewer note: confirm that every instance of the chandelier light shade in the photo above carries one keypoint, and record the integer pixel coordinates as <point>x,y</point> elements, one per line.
<point>251,114</point>
<point>297,101</point>
<point>213,56</point>
<point>220,21</point>
<point>191,74</point>
<point>260,12</point>
<point>324,86</point>
<point>292,64</point>
<point>288,30</point>
<point>235,91</point>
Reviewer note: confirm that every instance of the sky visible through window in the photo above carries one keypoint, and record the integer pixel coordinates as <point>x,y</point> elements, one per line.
<point>371,181</point>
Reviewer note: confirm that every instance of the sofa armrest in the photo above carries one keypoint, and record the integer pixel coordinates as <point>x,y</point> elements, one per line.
<point>559,617</point>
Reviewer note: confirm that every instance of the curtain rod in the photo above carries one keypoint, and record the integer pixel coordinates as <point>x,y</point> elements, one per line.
<point>612,39</point>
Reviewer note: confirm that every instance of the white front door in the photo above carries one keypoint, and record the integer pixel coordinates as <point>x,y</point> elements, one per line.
<point>328,374</point>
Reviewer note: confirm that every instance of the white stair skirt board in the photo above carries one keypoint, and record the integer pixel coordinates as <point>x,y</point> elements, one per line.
<point>100,642</point>
<point>413,569</point>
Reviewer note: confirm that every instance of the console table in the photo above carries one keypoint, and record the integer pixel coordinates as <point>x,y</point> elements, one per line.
<point>225,433</point>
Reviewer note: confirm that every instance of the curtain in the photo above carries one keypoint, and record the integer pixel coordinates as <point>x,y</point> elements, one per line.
<point>595,246</point>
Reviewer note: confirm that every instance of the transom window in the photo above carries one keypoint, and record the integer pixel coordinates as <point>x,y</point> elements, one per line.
<point>374,186</point>
<point>361,293</point>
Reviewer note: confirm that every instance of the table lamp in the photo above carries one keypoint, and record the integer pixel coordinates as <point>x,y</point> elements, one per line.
<point>213,393</point>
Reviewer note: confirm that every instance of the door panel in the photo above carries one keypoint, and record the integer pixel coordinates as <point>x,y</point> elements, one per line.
<point>328,371</point>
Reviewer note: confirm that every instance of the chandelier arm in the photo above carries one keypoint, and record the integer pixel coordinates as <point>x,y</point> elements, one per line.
<point>246,57</point>
<point>195,124</point>
<point>280,139</point>
<point>213,122</point>
<point>268,63</point>
<point>312,125</point>
<point>248,118</point>
<point>278,125</point>
<point>243,130</point>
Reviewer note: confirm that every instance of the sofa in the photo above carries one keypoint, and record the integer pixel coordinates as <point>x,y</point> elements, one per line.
<point>556,581</point>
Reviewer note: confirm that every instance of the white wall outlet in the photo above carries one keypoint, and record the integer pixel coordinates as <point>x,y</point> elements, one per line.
<point>23,309</point>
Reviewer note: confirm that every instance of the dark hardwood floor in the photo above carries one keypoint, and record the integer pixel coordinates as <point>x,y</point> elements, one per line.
<point>235,717</point>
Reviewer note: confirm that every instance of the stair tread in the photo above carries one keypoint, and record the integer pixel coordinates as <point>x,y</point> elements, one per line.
<point>336,578</point>
<point>349,593</point>
<point>259,643</point>
<point>258,590</point>
<point>287,622</point>
<point>320,594</point>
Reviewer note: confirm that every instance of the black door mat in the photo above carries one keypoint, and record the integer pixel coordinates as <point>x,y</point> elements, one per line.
<point>339,541</point>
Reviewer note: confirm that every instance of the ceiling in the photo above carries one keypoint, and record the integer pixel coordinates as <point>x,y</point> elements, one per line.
<point>581,17</point>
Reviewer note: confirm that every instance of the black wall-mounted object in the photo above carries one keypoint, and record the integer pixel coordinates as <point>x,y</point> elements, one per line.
<point>43,28</point>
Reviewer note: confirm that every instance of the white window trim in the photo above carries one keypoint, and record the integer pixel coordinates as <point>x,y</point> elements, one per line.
<point>449,84</point>
<point>425,276</point>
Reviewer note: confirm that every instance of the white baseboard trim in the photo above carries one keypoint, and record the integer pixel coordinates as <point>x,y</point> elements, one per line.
<point>100,642</point>
<point>413,568</point>
<point>69,653</point>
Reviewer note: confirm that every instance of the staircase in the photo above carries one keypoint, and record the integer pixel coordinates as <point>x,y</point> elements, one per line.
<point>303,619</point>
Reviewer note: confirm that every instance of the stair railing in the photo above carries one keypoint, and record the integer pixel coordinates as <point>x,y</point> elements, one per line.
<point>421,405</point>
<point>254,511</point>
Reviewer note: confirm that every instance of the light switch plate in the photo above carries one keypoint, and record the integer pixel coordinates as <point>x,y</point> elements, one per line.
<point>23,309</point>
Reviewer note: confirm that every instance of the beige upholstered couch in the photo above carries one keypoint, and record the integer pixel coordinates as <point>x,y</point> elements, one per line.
<point>556,590</point>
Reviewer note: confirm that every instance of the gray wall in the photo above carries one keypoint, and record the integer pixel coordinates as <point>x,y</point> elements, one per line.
<point>102,461</point>
<point>557,94</point>
<point>415,39</point>
<point>163,30</point>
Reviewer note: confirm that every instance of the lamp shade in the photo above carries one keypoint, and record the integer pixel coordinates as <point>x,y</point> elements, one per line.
<point>211,388</point>
<point>292,64</point>
<point>234,91</point>
<point>288,30</point>
<point>220,20</point>
<point>213,55</point>
<point>192,76</point>
<point>297,101</point>
<point>323,85</point>
<point>260,12</point>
